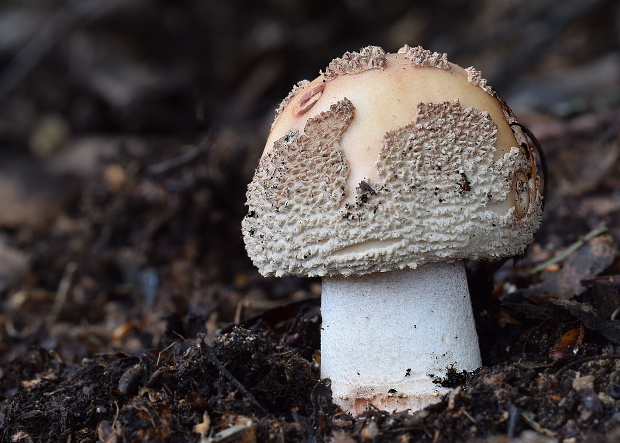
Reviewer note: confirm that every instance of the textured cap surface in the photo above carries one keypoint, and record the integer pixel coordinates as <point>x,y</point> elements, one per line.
<point>387,161</point>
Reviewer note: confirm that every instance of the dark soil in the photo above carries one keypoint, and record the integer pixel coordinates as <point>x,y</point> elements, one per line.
<point>128,308</point>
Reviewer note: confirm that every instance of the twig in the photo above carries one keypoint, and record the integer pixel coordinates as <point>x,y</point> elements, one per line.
<point>585,360</point>
<point>468,415</point>
<point>118,411</point>
<point>231,378</point>
<point>572,248</point>
<point>427,433</point>
<point>64,287</point>
<point>537,427</point>
<point>183,159</point>
<point>233,433</point>
<point>165,349</point>
<point>513,418</point>
<point>452,396</point>
<point>175,162</point>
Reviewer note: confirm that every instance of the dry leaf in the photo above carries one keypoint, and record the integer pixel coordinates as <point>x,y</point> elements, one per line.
<point>203,427</point>
<point>591,318</point>
<point>585,263</point>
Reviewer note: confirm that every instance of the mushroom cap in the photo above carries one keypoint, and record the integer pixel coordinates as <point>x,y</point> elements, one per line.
<point>386,161</point>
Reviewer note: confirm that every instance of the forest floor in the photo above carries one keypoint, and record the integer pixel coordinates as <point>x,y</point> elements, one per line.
<point>129,310</point>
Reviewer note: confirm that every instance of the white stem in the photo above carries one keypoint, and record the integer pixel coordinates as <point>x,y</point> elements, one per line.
<point>384,333</point>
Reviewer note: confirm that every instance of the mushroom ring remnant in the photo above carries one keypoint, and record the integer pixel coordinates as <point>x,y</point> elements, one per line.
<point>386,172</point>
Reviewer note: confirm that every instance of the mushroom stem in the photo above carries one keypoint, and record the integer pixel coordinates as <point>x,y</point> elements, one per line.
<point>384,333</point>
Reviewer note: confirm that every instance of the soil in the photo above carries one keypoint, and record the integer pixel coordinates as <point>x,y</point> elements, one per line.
<point>129,310</point>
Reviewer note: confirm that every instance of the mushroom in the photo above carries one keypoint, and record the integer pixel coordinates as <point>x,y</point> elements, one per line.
<point>382,176</point>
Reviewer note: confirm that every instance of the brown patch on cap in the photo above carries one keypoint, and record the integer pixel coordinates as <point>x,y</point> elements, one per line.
<point>475,78</point>
<point>423,57</point>
<point>370,57</point>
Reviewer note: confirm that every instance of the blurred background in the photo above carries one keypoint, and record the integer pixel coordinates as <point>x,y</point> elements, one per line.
<point>129,130</point>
